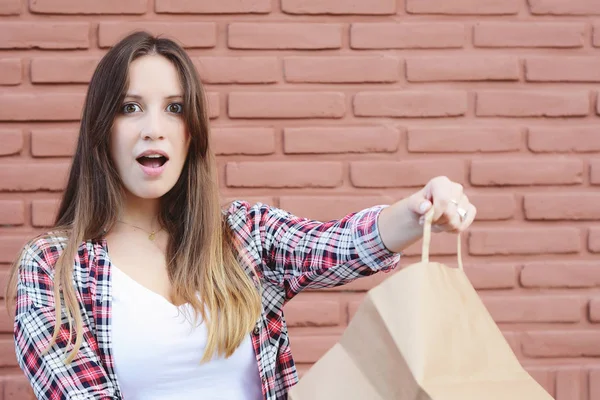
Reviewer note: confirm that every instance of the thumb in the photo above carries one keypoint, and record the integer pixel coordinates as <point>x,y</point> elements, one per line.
<point>419,204</point>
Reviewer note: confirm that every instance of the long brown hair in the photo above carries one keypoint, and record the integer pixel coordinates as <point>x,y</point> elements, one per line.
<point>202,254</point>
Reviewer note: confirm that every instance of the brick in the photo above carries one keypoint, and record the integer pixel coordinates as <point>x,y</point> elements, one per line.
<point>12,141</point>
<point>301,36</point>
<point>538,308</point>
<point>360,139</point>
<point>491,276</point>
<point>214,108</point>
<point>512,338</point>
<point>559,7</point>
<point>560,274</point>
<point>463,7</point>
<point>571,343</point>
<point>594,240</point>
<point>410,104</point>
<point>53,142</point>
<point>353,308</point>
<point>309,349</point>
<point>48,106</point>
<point>544,376</point>
<point>342,69</point>
<point>562,69</point>
<point>578,139</point>
<point>596,35</point>
<point>594,310</point>
<point>372,7</point>
<point>594,383</point>
<point>63,69</point>
<point>8,358</point>
<point>518,103</point>
<point>43,212</point>
<point>10,7</point>
<point>570,383</point>
<point>407,35</point>
<point>19,177</point>
<point>529,34</point>
<point>87,6</point>
<point>595,172</point>
<point>187,34</point>
<point>6,321</point>
<point>523,241</point>
<point>312,309</point>
<point>10,246</point>
<point>493,207</point>
<point>526,171</point>
<point>4,281</point>
<point>278,174</point>
<point>44,35</point>
<point>213,7</point>
<point>360,285</point>
<point>380,174</point>
<point>243,140</point>
<point>441,245</point>
<point>286,105</point>
<point>238,69</point>
<point>462,68</point>
<point>457,139</point>
<point>17,387</point>
<point>326,208</point>
<point>10,71</point>
<point>562,206</point>
<point>12,212</point>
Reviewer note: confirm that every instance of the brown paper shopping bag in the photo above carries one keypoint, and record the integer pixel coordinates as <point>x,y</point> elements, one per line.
<point>422,334</point>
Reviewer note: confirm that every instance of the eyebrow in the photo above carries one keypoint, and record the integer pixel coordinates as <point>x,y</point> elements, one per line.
<point>137,97</point>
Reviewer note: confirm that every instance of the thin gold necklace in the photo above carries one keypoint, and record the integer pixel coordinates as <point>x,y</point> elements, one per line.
<point>152,235</point>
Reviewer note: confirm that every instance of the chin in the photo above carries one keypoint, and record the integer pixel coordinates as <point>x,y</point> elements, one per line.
<point>150,193</point>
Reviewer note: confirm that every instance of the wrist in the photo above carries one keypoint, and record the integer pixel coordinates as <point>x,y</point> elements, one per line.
<point>399,226</point>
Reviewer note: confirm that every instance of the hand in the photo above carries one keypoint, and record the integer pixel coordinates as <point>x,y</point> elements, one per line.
<point>449,201</point>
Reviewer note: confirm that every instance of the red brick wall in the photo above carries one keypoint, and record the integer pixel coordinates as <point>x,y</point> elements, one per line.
<point>326,106</point>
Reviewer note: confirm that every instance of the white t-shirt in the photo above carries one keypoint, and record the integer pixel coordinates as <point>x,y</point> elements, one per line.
<point>157,351</point>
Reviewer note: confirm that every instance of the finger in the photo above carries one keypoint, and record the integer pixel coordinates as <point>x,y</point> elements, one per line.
<point>455,221</point>
<point>419,204</point>
<point>471,214</point>
<point>448,206</point>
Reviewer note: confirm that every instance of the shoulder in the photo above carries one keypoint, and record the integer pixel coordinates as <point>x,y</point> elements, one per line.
<point>41,253</point>
<point>43,250</point>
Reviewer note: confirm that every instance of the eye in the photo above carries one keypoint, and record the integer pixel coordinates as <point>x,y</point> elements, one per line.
<point>176,108</point>
<point>130,108</point>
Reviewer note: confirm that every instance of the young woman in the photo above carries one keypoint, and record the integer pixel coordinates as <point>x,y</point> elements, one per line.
<point>146,288</point>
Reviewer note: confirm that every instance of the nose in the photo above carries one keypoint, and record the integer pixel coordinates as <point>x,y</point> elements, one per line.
<point>151,128</point>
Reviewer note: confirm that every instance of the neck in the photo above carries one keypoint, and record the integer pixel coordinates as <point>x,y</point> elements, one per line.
<point>141,212</point>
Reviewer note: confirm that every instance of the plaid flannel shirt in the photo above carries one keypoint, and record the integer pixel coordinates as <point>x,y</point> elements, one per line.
<point>289,253</point>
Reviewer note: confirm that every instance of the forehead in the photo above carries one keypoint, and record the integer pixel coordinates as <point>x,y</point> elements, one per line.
<point>152,75</point>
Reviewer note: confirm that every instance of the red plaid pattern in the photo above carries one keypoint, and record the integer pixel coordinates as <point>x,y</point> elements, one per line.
<point>289,253</point>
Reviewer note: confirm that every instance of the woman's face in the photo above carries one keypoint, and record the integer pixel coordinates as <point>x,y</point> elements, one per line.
<point>149,142</point>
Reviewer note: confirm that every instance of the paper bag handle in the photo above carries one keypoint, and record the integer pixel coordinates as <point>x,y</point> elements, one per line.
<point>427,240</point>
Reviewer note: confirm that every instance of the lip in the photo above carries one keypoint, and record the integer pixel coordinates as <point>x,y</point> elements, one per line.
<point>153,171</point>
<point>153,151</point>
<point>150,171</point>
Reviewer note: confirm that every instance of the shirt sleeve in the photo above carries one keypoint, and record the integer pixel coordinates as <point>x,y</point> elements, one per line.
<point>299,253</point>
<point>49,376</point>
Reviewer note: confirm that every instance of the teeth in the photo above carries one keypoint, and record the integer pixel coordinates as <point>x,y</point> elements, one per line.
<point>153,156</point>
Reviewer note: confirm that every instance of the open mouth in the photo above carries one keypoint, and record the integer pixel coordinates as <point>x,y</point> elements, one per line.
<point>152,160</point>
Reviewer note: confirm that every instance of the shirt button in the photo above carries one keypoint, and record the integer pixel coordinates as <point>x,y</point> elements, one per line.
<point>256,330</point>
